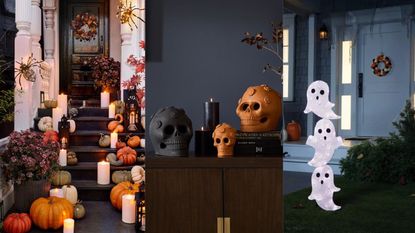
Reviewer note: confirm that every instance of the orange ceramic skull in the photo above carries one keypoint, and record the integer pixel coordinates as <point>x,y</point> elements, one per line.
<point>259,109</point>
<point>224,138</point>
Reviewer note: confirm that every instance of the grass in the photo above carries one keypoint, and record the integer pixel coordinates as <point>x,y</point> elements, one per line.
<point>366,208</point>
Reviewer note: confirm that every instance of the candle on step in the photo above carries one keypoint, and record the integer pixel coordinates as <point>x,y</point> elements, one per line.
<point>68,225</point>
<point>114,139</point>
<point>111,111</point>
<point>57,116</point>
<point>128,208</point>
<point>103,172</point>
<point>62,157</point>
<point>105,99</point>
<point>211,114</point>
<point>56,193</point>
<point>63,103</point>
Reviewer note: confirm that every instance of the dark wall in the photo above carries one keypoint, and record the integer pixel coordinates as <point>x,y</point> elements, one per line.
<point>7,34</point>
<point>194,53</point>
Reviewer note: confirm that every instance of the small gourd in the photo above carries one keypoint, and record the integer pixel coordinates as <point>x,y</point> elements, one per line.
<point>45,123</point>
<point>61,178</point>
<point>120,144</point>
<point>133,141</point>
<point>141,159</point>
<point>121,176</point>
<point>143,143</point>
<point>104,141</point>
<point>293,131</point>
<point>70,193</point>
<point>119,128</point>
<point>138,174</point>
<point>72,159</point>
<point>116,124</point>
<point>112,159</point>
<point>79,210</point>
<point>72,126</point>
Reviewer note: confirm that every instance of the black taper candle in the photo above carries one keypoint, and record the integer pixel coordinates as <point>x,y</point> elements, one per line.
<point>211,115</point>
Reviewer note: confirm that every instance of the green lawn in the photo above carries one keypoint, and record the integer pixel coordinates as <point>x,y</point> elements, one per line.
<point>366,208</point>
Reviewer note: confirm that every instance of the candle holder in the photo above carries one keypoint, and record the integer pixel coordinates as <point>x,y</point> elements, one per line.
<point>132,111</point>
<point>64,127</point>
<point>140,224</point>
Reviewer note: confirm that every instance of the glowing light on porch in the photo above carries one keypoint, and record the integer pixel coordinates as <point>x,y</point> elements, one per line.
<point>346,112</point>
<point>347,62</point>
<point>285,59</point>
<point>285,80</point>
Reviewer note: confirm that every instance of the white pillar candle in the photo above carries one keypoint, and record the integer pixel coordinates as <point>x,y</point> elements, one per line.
<point>114,139</point>
<point>128,208</point>
<point>56,115</point>
<point>56,193</point>
<point>62,157</point>
<point>111,111</point>
<point>63,104</point>
<point>68,225</point>
<point>103,172</point>
<point>105,99</point>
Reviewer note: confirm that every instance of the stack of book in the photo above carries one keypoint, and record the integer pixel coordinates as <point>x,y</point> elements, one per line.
<point>260,143</point>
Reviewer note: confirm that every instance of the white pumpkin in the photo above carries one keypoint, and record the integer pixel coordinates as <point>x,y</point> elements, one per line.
<point>72,126</point>
<point>45,123</point>
<point>143,143</point>
<point>70,193</point>
<point>138,174</point>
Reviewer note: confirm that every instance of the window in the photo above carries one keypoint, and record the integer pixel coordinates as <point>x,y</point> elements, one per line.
<point>288,57</point>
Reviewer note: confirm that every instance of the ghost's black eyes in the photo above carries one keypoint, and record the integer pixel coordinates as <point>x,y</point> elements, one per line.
<point>322,92</point>
<point>327,175</point>
<point>328,130</point>
<point>318,174</point>
<point>320,131</point>
<point>313,90</point>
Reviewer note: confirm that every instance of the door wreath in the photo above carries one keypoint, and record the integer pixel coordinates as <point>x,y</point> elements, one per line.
<point>387,65</point>
<point>85,26</point>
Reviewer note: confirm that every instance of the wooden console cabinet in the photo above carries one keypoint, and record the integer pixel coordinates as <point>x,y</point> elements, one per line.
<point>212,195</point>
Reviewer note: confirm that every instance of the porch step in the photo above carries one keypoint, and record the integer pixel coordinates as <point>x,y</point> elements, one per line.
<point>91,137</point>
<point>88,170</point>
<point>95,153</point>
<point>76,103</point>
<point>90,190</point>
<point>93,111</point>
<point>92,122</point>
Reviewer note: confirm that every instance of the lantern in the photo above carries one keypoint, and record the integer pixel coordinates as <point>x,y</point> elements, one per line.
<point>132,111</point>
<point>140,224</point>
<point>63,127</point>
<point>323,33</point>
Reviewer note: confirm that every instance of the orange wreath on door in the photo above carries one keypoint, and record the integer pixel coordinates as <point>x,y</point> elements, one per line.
<point>85,26</point>
<point>387,65</point>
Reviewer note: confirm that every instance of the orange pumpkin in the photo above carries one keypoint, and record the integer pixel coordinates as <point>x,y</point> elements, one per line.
<point>293,131</point>
<point>134,141</point>
<point>121,189</point>
<point>17,223</point>
<point>49,213</point>
<point>120,145</point>
<point>119,118</point>
<point>128,155</point>
<point>112,125</point>
<point>119,128</point>
<point>50,135</point>
<point>116,124</point>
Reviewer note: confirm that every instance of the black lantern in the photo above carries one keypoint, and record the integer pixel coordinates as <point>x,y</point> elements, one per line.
<point>323,32</point>
<point>140,224</point>
<point>63,127</point>
<point>132,111</point>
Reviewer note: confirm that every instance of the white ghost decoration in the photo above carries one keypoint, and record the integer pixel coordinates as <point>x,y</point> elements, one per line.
<point>322,184</point>
<point>318,100</point>
<point>324,142</point>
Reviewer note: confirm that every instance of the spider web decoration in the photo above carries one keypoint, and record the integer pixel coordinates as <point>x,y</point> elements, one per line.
<point>126,13</point>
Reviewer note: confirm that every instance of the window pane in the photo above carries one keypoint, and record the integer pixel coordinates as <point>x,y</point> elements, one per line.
<point>285,81</point>
<point>285,54</point>
<point>346,112</point>
<point>347,62</point>
<point>285,37</point>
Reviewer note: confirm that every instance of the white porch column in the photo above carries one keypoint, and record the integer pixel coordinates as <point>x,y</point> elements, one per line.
<point>23,47</point>
<point>49,8</point>
<point>36,32</point>
<point>126,50</point>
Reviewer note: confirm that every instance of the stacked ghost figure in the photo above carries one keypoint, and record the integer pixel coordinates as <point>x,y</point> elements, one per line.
<point>324,142</point>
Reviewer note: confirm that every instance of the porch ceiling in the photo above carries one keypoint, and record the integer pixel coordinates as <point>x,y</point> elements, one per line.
<point>305,7</point>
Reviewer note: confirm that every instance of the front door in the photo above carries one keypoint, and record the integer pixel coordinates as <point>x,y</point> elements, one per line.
<point>381,99</point>
<point>77,46</point>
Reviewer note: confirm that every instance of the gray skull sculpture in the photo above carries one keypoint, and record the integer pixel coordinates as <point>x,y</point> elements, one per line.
<point>171,131</point>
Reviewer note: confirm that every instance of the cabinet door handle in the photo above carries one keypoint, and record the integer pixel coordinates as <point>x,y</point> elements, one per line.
<point>219,222</point>
<point>227,225</point>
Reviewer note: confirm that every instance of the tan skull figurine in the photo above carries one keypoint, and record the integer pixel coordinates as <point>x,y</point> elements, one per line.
<point>259,109</point>
<point>224,138</point>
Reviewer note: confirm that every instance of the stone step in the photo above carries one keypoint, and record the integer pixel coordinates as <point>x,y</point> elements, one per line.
<point>92,123</point>
<point>95,153</point>
<point>88,103</point>
<point>90,190</point>
<point>93,111</point>
<point>88,170</point>
<point>91,137</point>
